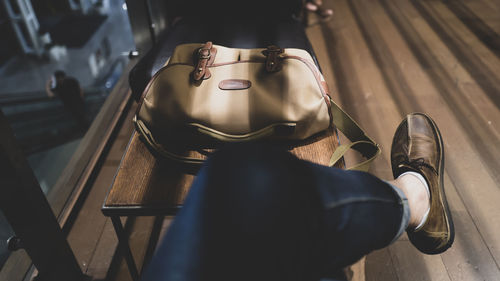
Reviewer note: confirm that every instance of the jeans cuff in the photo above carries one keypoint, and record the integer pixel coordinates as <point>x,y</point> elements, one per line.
<point>405,218</point>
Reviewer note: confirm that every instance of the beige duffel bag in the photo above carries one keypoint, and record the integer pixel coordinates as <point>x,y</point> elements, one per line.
<point>207,94</point>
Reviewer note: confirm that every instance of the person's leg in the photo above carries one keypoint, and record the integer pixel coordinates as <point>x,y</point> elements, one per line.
<point>256,212</point>
<point>362,213</point>
<point>250,215</point>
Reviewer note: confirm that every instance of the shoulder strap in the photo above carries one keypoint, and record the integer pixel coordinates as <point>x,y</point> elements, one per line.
<point>359,140</point>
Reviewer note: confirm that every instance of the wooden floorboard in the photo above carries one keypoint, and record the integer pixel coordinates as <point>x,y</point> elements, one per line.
<point>470,257</point>
<point>384,59</point>
<point>388,58</point>
<point>379,266</point>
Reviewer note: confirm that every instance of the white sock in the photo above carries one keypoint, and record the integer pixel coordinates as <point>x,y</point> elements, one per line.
<point>422,179</point>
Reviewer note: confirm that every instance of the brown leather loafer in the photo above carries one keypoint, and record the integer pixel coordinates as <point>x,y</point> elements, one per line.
<point>417,146</point>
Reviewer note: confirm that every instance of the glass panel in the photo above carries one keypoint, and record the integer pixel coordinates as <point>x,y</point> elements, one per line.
<point>56,72</point>
<point>59,61</point>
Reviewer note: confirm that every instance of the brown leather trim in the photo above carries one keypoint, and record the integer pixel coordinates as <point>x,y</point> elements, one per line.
<point>213,54</point>
<point>203,57</point>
<point>220,64</point>
<point>325,87</point>
<point>273,58</point>
<point>236,62</point>
<point>234,84</point>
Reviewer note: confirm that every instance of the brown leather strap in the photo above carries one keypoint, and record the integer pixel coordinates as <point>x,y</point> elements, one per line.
<point>203,58</point>
<point>273,61</point>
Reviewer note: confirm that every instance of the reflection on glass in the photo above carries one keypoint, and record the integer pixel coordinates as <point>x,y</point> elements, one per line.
<point>56,74</point>
<point>59,60</point>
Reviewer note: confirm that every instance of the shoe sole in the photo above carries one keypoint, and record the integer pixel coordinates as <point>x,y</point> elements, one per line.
<point>441,188</point>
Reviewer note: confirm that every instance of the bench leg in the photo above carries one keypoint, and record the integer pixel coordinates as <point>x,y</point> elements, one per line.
<point>124,247</point>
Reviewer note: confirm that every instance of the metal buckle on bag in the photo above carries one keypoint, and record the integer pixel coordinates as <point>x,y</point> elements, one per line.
<point>273,59</point>
<point>202,56</point>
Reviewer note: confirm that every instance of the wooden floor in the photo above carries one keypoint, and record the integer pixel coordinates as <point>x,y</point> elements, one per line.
<point>383,59</point>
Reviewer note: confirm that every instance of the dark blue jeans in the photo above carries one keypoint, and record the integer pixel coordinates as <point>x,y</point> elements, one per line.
<point>256,212</point>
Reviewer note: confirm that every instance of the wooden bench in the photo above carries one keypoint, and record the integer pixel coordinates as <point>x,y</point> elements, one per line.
<point>145,185</point>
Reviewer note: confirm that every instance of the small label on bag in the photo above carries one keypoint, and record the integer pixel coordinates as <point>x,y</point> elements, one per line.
<point>234,84</point>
